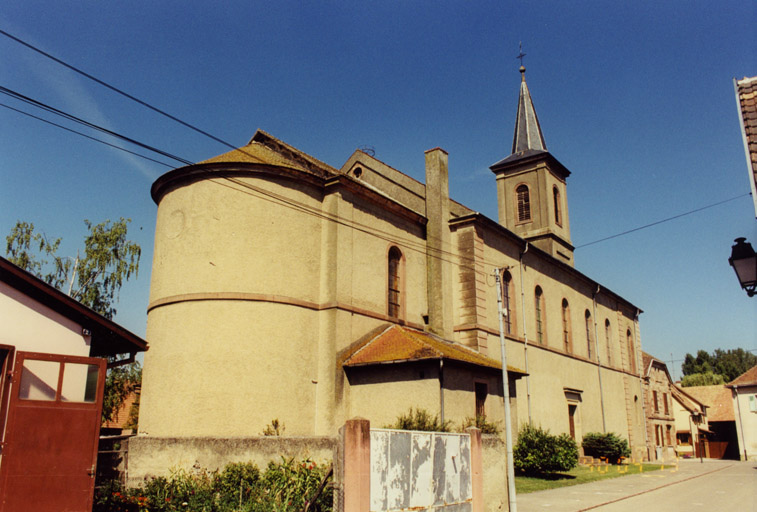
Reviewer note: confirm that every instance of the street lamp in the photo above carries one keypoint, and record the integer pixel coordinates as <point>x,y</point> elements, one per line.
<point>744,262</point>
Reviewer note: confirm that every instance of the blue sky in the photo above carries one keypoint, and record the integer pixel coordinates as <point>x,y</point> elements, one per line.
<point>635,98</point>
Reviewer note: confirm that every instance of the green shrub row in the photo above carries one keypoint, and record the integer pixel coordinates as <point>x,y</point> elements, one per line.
<point>538,452</point>
<point>421,419</point>
<point>240,487</point>
<point>610,445</point>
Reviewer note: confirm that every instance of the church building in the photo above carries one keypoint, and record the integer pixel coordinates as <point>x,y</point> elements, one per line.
<point>286,289</point>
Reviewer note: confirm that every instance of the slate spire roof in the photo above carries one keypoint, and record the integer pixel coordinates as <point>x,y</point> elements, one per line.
<point>528,134</point>
<point>528,140</point>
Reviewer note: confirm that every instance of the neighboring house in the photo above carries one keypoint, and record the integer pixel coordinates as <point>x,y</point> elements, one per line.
<point>721,420</point>
<point>120,420</point>
<point>746,98</point>
<point>691,424</point>
<point>52,357</point>
<point>658,394</point>
<point>284,288</point>
<point>744,393</point>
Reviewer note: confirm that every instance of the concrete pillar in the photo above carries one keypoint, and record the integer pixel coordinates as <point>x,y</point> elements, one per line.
<point>438,242</point>
<point>356,468</point>
<point>477,468</point>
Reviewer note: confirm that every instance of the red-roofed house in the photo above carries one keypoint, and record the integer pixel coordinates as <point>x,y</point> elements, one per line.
<point>746,97</point>
<point>691,424</point>
<point>744,392</point>
<point>723,441</point>
<point>658,395</point>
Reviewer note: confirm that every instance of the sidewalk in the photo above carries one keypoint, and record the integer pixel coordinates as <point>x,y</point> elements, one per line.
<point>588,496</point>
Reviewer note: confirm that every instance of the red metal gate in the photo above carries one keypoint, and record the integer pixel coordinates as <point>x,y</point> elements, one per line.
<point>50,443</point>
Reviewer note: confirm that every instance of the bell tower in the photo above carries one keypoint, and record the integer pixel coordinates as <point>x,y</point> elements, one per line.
<point>532,196</point>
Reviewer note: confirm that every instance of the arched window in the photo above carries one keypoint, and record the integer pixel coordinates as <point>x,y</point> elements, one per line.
<point>540,319</point>
<point>393,294</point>
<point>524,203</point>
<point>566,335</point>
<point>508,303</point>
<point>608,342</point>
<point>556,197</point>
<point>588,333</point>
<point>631,352</point>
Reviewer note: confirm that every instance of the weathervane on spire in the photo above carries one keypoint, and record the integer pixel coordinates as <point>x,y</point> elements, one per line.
<point>521,54</point>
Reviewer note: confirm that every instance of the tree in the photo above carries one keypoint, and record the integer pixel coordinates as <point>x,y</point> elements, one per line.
<point>702,379</point>
<point>726,364</point>
<point>94,279</point>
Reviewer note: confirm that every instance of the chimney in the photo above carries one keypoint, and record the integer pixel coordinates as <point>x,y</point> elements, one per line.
<point>438,243</point>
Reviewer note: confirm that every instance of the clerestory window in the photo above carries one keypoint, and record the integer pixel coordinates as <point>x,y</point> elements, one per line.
<point>393,287</point>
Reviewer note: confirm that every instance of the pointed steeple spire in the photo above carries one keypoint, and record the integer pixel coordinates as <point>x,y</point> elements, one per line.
<point>527,130</point>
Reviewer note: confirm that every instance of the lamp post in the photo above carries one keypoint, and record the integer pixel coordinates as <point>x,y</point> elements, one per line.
<point>744,262</point>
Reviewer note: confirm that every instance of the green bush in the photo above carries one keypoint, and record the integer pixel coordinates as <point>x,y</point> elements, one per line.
<point>480,422</point>
<point>420,419</point>
<point>610,445</point>
<point>538,452</point>
<point>240,487</point>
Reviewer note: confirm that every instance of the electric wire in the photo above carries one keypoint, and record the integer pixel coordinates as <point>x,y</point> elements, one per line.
<point>86,136</point>
<point>664,220</point>
<point>71,117</point>
<point>115,89</point>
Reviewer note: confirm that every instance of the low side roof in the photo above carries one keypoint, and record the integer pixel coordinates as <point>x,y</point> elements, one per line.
<point>108,338</point>
<point>718,400</point>
<point>399,344</point>
<point>748,378</point>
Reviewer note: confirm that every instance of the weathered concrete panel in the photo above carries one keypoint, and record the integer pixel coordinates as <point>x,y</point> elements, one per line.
<point>420,471</point>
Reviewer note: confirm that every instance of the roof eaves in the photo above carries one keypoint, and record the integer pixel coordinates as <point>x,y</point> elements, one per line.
<point>105,333</point>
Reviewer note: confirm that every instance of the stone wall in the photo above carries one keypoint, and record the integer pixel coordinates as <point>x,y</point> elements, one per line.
<point>157,456</point>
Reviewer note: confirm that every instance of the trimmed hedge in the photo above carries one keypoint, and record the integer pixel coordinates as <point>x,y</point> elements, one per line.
<point>610,445</point>
<point>538,452</point>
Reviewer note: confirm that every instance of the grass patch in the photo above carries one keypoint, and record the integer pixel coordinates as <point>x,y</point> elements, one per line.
<point>578,475</point>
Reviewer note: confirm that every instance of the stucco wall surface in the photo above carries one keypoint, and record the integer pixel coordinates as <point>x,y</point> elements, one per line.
<point>33,327</point>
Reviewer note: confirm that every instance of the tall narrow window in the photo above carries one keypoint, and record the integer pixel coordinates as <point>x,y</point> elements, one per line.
<point>507,302</point>
<point>656,404</point>
<point>608,342</point>
<point>539,306</point>
<point>566,337</point>
<point>524,203</point>
<point>631,352</point>
<point>665,403</point>
<point>588,333</point>
<point>393,296</point>
<point>558,214</point>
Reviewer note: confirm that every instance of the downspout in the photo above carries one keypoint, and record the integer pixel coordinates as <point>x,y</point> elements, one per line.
<point>441,389</point>
<point>525,333</point>
<point>637,353</point>
<point>741,425</point>
<point>599,362</point>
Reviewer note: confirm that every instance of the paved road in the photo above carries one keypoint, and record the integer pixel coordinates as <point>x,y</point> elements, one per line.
<point>711,486</point>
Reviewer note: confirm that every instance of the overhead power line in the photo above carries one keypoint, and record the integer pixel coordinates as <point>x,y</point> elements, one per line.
<point>664,220</point>
<point>71,117</point>
<point>85,135</point>
<point>115,89</point>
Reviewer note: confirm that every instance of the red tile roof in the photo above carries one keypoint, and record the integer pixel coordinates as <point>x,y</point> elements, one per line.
<point>746,95</point>
<point>718,400</point>
<point>748,378</point>
<point>399,344</point>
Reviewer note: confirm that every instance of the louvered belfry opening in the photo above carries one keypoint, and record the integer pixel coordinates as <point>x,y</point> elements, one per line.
<point>524,203</point>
